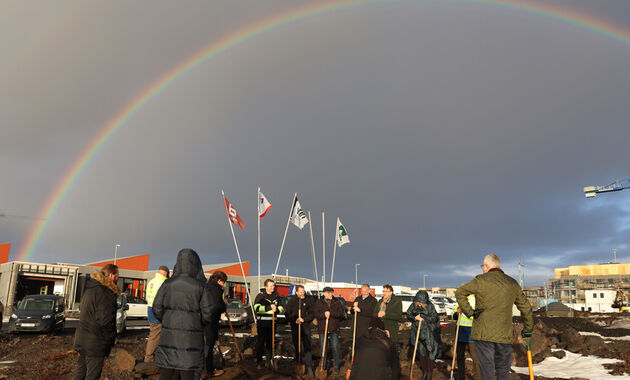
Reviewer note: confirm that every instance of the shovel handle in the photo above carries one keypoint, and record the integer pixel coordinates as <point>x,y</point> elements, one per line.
<point>529,361</point>
<point>459,318</point>
<point>234,336</point>
<point>415,349</point>
<point>324,345</point>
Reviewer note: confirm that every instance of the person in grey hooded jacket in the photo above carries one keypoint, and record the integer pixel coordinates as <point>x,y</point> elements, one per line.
<point>422,310</point>
<point>184,306</point>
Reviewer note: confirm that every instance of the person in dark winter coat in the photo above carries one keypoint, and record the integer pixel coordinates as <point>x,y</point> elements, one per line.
<point>266,305</point>
<point>184,306</point>
<point>364,306</point>
<point>299,313</point>
<point>329,309</point>
<point>211,330</point>
<point>96,333</point>
<point>389,309</point>
<point>376,356</point>
<point>422,310</point>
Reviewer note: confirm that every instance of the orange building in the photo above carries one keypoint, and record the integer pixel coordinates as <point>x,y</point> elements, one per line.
<point>4,252</point>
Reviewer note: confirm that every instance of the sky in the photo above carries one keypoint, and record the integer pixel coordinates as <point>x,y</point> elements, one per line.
<point>437,131</point>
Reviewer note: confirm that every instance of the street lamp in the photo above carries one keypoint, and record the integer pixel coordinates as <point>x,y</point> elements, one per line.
<point>424,281</point>
<point>116,252</point>
<point>356,278</point>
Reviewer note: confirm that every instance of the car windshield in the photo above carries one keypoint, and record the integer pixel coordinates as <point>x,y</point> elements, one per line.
<point>34,304</point>
<point>235,304</point>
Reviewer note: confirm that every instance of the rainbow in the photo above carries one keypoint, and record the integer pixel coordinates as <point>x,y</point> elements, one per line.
<point>578,19</point>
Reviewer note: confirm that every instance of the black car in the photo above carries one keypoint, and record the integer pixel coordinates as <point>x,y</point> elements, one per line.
<point>43,313</point>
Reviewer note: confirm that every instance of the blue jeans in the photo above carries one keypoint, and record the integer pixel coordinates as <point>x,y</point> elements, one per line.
<point>334,342</point>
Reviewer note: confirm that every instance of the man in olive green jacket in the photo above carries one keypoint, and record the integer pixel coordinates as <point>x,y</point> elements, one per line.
<point>389,310</point>
<point>495,293</point>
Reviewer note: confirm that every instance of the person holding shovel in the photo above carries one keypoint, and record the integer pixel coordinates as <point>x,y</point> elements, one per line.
<point>266,307</point>
<point>363,308</point>
<point>211,330</point>
<point>300,314</point>
<point>422,312</point>
<point>329,313</point>
<point>389,309</point>
<point>463,341</point>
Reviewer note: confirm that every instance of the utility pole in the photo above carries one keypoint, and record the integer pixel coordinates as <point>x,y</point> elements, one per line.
<point>520,275</point>
<point>116,252</point>
<point>424,281</point>
<point>615,255</point>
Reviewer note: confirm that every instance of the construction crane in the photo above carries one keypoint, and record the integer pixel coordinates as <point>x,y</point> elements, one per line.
<point>592,191</point>
<point>622,302</point>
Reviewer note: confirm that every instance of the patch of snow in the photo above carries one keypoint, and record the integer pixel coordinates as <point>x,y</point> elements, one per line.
<point>572,365</point>
<point>238,334</point>
<point>8,362</point>
<point>608,338</point>
<point>137,327</point>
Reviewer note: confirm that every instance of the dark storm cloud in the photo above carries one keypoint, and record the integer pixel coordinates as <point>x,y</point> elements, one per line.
<point>437,134</point>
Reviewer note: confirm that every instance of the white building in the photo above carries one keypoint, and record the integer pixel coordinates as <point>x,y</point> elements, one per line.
<point>600,300</point>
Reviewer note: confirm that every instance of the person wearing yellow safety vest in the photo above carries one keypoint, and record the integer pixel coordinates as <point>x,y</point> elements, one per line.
<point>265,305</point>
<point>155,327</point>
<point>463,341</point>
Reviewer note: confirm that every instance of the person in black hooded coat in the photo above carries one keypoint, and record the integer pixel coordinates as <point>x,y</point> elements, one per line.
<point>184,306</point>
<point>376,355</point>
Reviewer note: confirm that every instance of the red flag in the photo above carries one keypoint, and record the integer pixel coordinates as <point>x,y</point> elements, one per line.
<point>232,214</point>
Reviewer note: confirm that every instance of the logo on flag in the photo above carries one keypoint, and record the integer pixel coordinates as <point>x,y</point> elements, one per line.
<point>232,214</point>
<point>263,205</point>
<point>298,217</point>
<point>342,234</point>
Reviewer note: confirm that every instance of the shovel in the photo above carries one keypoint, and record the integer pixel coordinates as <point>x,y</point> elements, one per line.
<point>234,337</point>
<point>415,348</point>
<point>300,368</point>
<point>354,339</point>
<point>321,373</point>
<point>529,360</point>
<point>459,318</point>
<point>274,365</point>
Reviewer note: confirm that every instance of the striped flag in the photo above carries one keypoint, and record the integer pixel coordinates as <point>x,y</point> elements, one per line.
<point>232,214</point>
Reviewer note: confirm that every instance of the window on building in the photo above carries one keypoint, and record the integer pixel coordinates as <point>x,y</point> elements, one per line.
<point>594,295</point>
<point>601,295</point>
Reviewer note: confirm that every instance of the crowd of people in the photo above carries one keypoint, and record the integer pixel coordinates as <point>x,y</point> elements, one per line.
<point>184,312</point>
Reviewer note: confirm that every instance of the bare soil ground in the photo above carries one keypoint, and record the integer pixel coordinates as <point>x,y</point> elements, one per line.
<point>47,356</point>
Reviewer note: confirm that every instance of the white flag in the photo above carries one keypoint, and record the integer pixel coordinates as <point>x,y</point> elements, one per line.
<point>298,217</point>
<point>263,205</point>
<point>342,234</point>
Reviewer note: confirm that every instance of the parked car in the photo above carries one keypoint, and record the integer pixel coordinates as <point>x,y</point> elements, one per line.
<point>43,313</point>
<point>240,314</point>
<point>407,300</point>
<point>137,307</point>
<point>442,303</point>
<point>121,314</point>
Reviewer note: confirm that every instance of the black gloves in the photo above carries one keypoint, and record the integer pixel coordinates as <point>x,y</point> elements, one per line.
<point>477,313</point>
<point>526,334</point>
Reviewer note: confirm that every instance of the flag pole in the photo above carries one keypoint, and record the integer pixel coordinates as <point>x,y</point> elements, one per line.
<point>310,227</point>
<point>323,248</point>
<point>258,217</point>
<point>229,222</point>
<point>275,272</point>
<point>332,272</point>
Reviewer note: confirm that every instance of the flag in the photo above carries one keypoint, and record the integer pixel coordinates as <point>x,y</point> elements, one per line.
<point>342,234</point>
<point>232,214</point>
<point>298,217</point>
<point>263,205</point>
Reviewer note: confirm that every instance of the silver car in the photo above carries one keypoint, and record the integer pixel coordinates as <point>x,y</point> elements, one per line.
<point>240,314</point>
